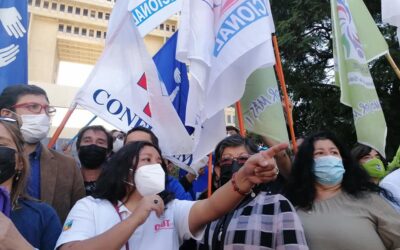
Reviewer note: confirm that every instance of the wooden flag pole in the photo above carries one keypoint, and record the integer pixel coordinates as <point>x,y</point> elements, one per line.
<point>393,64</point>
<point>209,189</point>
<point>279,70</point>
<point>240,118</point>
<point>62,125</point>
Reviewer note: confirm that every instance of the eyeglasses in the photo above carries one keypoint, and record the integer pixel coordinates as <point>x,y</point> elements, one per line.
<point>228,161</point>
<point>36,108</point>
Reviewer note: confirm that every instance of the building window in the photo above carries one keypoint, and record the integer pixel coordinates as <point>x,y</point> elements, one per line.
<point>162,26</point>
<point>93,13</point>
<point>100,15</point>
<point>91,33</point>
<point>69,29</point>
<point>76,30</point>
<point>104,35</point>
<point>84,32</point>
<point>173,29</point>
<point>107,16</point>
<point>77,11</point>
<point>54,6</point>
<point>46,4</point>
<point>37,3</point>
<point>30,2</point>
<point>98,34</point>
<point>70,9</point>
<point>85,12</point>
<point>62,7</point>
<point>167,27</point>
<point>61,27</point>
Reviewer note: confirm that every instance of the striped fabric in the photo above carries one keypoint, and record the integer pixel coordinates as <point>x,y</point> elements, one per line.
<point>266,222</point>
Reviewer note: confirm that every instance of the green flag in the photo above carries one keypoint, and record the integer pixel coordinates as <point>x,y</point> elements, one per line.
<point>371,38</point>
<point>262,107</point>
<point>352,72</point>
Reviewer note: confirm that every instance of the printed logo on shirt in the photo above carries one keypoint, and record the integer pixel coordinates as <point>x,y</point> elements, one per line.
<point>165,224</point>
<point>67,225</point>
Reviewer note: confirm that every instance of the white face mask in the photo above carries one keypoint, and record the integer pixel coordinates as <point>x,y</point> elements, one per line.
<point>35,127</point>
<point>117,145</point>
<point>150,179</point>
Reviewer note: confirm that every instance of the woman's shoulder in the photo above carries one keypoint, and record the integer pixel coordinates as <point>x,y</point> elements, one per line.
<point>38,207</point>
<point>90,200</point>
<point>271,198</point>
<point>271,203</point>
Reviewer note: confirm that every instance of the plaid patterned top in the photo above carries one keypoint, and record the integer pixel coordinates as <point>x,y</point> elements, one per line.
<point>265,222</point>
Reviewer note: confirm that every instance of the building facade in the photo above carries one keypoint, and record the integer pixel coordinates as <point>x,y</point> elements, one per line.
<point>74,31</point>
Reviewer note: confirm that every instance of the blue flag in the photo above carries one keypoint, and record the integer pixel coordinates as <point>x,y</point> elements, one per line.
<point>13,42</point>
<point>174,76</point>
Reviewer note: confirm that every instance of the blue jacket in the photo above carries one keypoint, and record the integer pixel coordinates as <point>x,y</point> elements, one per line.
<point>175,187</point>
<point>38,223</point>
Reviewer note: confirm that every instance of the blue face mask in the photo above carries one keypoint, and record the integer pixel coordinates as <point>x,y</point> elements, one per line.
<point>328,170</point>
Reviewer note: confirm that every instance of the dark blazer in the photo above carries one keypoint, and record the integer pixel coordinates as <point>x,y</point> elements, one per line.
<point>61,182</point>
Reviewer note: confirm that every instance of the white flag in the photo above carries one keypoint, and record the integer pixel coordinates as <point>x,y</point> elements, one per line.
<point>148,14</point>
<point>233,40</point>
<point>223,41</point>
<point>391,14</point>
<point>124,88</point>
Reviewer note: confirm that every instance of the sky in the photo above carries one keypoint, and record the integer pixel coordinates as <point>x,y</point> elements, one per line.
<point>75,75</point>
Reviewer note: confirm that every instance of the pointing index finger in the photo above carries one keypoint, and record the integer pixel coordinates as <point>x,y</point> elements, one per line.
<point>272,151</point>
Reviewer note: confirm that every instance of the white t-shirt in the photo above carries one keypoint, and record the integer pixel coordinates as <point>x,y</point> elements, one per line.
<point>392,183</point>
<point>90,217</point>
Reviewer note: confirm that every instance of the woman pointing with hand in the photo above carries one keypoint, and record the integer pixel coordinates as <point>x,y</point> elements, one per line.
<point>130,210</point>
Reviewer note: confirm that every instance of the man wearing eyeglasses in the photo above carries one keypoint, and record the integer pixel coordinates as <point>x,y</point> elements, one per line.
<point>55,178</point>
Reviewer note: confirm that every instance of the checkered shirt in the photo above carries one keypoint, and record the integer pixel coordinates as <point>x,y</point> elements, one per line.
<point>266,222</point>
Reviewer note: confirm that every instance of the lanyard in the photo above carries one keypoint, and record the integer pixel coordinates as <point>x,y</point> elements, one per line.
<point>120,217</point>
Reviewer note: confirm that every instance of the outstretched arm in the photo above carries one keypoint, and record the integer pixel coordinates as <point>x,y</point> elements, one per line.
<point>258,168</point>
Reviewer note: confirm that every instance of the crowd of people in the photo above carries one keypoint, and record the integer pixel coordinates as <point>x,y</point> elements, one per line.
<point>121,193</point>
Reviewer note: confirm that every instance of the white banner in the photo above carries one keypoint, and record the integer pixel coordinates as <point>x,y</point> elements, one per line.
<point>148,14</point>
<point>124,88</point>
<point>233,40</point>
<point>223,41</point>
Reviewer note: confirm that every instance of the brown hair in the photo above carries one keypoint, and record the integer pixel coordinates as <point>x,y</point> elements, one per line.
<point>20,179</point>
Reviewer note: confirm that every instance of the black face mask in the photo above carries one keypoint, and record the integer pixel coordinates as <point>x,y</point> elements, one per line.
<point>7,163</point>
<point>228,171</point>
<point>92,156</point>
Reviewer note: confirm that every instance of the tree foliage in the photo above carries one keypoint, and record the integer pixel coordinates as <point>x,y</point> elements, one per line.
<point>303,29</point>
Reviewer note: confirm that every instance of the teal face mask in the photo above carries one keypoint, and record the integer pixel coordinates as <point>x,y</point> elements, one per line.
<point>328,170</point>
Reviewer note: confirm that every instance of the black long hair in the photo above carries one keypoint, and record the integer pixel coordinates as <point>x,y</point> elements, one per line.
<point>301,185</point>
<point>361,150</point>
<point>112,185</point>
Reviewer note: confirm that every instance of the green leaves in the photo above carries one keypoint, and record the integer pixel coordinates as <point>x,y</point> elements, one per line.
<point>303,30</point>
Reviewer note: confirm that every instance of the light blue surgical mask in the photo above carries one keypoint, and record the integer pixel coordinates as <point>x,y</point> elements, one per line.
<point>328,170</point>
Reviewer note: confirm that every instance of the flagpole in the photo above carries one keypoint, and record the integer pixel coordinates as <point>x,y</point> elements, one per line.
<point>240,118</point>
<point>62,125</point>
<point>281,77</point>
<point>209,189</point>
<point>393,64</point>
